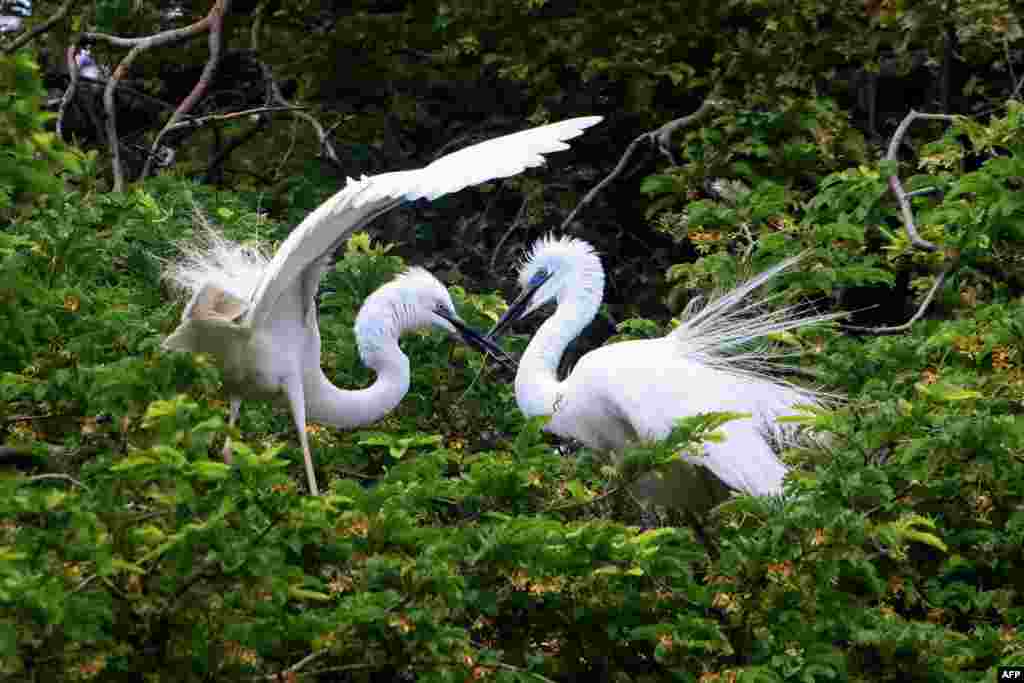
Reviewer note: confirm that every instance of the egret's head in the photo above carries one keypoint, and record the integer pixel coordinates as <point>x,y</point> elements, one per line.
<point>554,267</point>
<point>413,300</point>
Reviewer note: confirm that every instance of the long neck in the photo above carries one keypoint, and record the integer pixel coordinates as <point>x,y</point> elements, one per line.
<point>537,382</point>
<point>346,408</point>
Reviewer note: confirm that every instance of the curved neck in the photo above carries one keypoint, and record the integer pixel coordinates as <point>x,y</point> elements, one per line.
<point>537,382</point>
<point>345,408</point>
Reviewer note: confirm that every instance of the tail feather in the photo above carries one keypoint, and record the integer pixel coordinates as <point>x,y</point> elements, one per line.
<point>214,263</point>
<point>731,332</point>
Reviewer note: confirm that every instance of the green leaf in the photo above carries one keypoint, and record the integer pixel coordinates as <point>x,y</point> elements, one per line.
<point>658,184</point>
<point>304,594</point>
<point>211,471</point>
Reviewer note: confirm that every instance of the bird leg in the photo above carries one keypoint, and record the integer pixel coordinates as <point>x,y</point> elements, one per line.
<point>236,404</point>
<point>297,400</point>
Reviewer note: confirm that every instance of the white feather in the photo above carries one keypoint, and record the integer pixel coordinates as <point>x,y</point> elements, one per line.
<point>256,316</point>
<point>639,389</point>
<point>361,202</point>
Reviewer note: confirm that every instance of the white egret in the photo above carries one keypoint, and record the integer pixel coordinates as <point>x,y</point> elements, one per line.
<point>637,390</point>
<point>257,317</point>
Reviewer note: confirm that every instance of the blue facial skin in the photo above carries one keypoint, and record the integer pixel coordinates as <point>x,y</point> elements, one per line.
<point>538,279</point>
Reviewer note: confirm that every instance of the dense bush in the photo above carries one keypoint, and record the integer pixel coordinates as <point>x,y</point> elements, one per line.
<point>455,543</point>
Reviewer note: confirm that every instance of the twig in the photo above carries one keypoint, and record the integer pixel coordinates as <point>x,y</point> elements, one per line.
<point>193,122</point>
<point>662,137</point>
<point>893,329</point>
<point>214,21</point>
<point>288,152</point>
<point>1009,66</point>
<point>317,672</point>
<point>138,46</point>
<point>85,582</point>
<point>62,477</point>
<point>326,148</point>
<point>508,233</point>
<point>923,191</point>
<point>509,667</point>
<point>894,180</point>
<point>27,418</point>
<point>257,26</point>
<point>215,171</point>
<point>69,92</point>
<point>294,668</point>
<point>903,198</point>
<point>61,12</point>
<point>596,499</point>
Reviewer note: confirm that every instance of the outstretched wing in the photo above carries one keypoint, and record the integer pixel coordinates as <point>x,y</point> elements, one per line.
<point>363,200</point>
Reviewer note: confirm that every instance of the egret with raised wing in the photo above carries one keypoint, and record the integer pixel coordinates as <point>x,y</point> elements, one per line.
<point>637,390</point>
<point>257,316</point>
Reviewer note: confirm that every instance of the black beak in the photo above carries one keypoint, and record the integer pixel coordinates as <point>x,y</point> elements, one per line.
<point>474,339</point>
<point>516,309</point>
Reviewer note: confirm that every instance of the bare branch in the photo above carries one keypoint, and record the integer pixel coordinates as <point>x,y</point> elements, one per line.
<point>275,96</point>
<point>295,668</point>
<point>85,582</point>
<point>903,198</point>
<point>215,24</point>
<point>511,229</point>
<point>662,137</point>
<point>63,477</point>
<point>316,672</point>
<point>257,26</point>
<point>894,329</point>
<point>215,171</point>
<point>36,31</point>
<point>894,181</point>
<point>28,418</point>
<point>195,122</point>
<point>526,672</point>
<point>138,46</point>
<point>69,92</point>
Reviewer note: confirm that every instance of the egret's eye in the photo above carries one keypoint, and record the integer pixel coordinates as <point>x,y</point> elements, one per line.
<point>538,278</point>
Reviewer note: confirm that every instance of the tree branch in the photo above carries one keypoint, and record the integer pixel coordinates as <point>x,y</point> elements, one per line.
<point>214,172</point>
<point>894,180</point>
<point>36,31</point>
<point>326,148</point>
<point>903,198</point>
<point>894,329</point>
<point>69,92</point>
<point>295,668</point>
<point>138,46</point>
<point>662,137</point>
<point>511,229</point>
<point>63,477</point>
<point>215,25</point>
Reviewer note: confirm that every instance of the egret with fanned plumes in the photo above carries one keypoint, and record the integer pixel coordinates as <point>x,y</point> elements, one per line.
<point>257,316</point>
<point>637,390</point>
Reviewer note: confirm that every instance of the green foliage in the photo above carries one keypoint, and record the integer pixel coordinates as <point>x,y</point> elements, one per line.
<point>454,543</point>
<point>31,158</point>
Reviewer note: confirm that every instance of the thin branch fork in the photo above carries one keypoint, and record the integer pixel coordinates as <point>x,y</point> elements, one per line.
<point>894,181</point>
<point>903,198</point>
<point>212,22</point>
<point>194,122</point>
<point>276,96</point>
<point>895,329</point>
<point>660,137</point>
